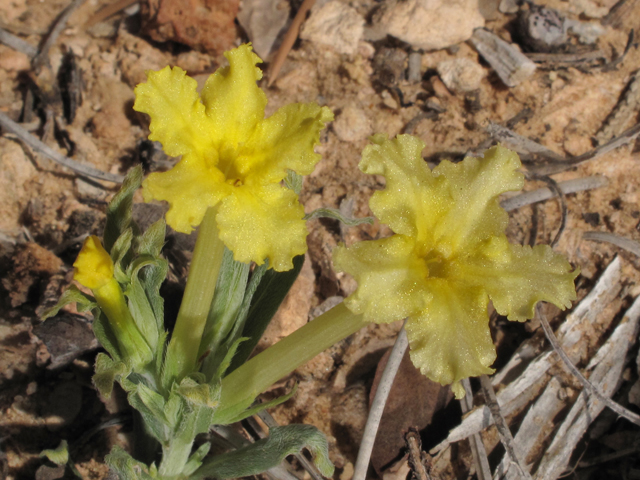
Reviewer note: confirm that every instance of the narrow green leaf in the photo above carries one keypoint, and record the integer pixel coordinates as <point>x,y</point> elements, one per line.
<point>121,255</point>
<point>269,452</point>
<point>119,209</point>
<point>235,413</point>
<point>195,460</point>
<point>270,293</point>
<point>223,314</point>
<point>139,305</point>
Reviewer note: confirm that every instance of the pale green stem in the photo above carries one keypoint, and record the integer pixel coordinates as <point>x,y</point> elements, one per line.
<point>182,353</point>
<point>243,385</point>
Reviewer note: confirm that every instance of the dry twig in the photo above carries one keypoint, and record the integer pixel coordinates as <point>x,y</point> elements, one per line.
<point>17,44</point>
<point>377,406</point>
<point>542,194</point>
<point>501,424</point>
<point>555,187</point>
<point>42,57</point>
<point>289,40</point>
<point>625,243</point>
<point>42,148</point>
<point>483,470</point>
<point>414,445</point>
<point>616,407</point>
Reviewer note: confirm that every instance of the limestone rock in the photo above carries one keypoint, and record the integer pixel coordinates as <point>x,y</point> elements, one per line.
<point>461,74</point>
<point>336,25</point>
<point>429,24</point>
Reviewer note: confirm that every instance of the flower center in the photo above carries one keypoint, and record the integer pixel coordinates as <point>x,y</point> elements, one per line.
<point>436,264</point>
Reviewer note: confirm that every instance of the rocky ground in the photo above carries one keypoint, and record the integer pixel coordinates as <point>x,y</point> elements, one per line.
<point>381,66</point>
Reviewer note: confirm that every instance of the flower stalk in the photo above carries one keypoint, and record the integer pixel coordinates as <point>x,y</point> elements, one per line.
<point>201,284</point>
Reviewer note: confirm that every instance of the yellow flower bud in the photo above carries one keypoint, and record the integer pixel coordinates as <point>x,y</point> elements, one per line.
<point>93,268</point>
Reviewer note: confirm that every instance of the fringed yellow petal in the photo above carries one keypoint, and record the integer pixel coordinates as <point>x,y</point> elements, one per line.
<point>234,102</point>
<point>93,268</point>
<point>178,118</point>
<point>230,153</point>
<point>391,278</point>
<point>458,259</point>
<point>190,187</point>
<point>472,187</point>
<point>284,142</point>
<point>517,277</point>
<point>450,338</point>
<point>408,183</point>
<point>258,223</point>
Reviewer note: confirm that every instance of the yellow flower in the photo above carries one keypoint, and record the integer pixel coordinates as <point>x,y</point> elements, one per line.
<point>448,258</point>
<point>232,157</point>
<point>94,269</point>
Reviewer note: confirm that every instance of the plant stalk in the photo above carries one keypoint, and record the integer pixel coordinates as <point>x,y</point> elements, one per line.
<point>182,353</point>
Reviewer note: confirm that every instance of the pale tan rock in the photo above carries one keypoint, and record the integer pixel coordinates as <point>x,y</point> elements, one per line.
<point>16,171</point>
<point>12,60</point>
<point>352,124</point>
<point>461,74</point>
<point>336,25</point>
<point>429,24</point>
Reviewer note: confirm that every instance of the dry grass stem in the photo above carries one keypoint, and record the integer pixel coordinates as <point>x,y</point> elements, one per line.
<point>377,406</point>
<point>42,57</point>
<point>625,243</point>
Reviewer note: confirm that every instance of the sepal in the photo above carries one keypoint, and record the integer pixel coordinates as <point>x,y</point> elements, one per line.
<point>73,294</point>
<point>107,372</point>
<point>127,468</point>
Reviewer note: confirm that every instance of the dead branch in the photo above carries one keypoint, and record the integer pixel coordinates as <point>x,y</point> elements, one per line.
<point>616,407</point>
<point>42,148</point>
<point>501,424</point>
<point>483,470</point>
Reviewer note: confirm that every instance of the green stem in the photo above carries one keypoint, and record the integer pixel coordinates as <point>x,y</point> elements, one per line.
<point>243,385</point>
<point>182,353</point>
